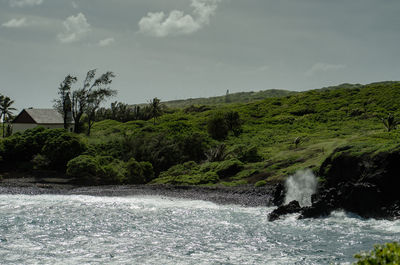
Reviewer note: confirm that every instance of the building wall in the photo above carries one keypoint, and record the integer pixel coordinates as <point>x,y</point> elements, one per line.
<point>20,127</point>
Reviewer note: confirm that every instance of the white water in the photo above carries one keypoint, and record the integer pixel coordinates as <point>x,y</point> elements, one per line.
<point>300,187</point>
<point>50,229</point>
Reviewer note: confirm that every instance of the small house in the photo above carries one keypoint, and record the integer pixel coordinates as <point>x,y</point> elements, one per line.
<point>31,118</point>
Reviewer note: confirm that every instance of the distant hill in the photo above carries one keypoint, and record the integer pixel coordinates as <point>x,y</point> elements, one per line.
<point>240,97</point>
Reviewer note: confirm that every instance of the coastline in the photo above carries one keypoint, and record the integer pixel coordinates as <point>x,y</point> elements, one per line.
<point>247,196</point>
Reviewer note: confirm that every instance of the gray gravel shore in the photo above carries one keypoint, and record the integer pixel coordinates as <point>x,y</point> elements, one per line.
<point>249,196</point>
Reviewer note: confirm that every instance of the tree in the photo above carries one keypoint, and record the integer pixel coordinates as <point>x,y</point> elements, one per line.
<point>6,110</point>
<point>217,126</point>
<point>155,109</point>
<point>98,92</point>
<point>63,104</point>
<point>87,99</point>
<point>233,122</point>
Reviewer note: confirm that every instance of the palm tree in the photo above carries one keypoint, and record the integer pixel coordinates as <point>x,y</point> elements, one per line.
<point>6,110</point>
<point>155,109</point>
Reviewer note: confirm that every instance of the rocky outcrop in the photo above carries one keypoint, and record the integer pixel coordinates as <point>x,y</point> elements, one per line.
<point>365,184</point>
<point>292,207</point>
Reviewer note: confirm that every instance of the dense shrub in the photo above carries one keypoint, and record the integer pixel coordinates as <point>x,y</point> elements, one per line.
<point>382,254</point>
<point>228,168</point>
<point>63,148</point>
<point>233,122</point>
<point>40,162</point>
<point>139,172</point>
<point>193,146</point>
<point>92,170</point>
<point>21,147</point>
<point>85,169</point>
<point>247,154</point>
<point>217,126</point>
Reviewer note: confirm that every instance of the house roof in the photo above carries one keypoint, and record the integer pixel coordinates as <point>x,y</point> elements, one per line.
<point>43,116</point>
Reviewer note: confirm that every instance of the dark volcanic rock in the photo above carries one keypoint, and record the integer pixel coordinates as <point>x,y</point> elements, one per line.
<point>367,185</point>
<point>292,207</point>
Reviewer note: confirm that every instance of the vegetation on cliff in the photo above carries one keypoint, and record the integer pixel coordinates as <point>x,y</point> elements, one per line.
<point>226,144</point>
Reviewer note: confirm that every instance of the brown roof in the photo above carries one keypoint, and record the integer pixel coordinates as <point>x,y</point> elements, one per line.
<point>42,116</point>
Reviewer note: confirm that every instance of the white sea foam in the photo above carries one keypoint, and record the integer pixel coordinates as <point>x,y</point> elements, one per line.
<point>300,187</point>
<point>50,229</point>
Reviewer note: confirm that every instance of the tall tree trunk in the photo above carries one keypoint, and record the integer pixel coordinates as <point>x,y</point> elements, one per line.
<point>77,119</point>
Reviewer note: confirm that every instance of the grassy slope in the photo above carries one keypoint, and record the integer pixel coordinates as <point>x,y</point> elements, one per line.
<point>241,97</point>
<point>323,119</point>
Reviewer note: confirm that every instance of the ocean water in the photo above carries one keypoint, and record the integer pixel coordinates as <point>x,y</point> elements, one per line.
<point>50,229</point>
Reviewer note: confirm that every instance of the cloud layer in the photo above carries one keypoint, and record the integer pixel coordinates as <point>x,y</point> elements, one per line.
<point>177,22</point>
<point>75,28</point>
<point>23,3</point>
<point>15,23</point>
<point>324,67</point>
<point>106,42</point>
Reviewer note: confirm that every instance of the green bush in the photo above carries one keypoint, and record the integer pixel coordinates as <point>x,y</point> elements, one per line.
<point>95,170</point>
<point>40,162</point>
<point>382,254</point>
<point>85,169</point>
<point>217,126</point>
<point>63,148</point>
<point>187,168</point>
<point>21,147</point>
<point>228,168</point>
<point>139,172</point>
<point>247,154</point>
<point>233,122</point>
<point>113,172</point>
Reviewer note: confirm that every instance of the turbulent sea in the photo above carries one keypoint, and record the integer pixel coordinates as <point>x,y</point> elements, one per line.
<point>49,229</point>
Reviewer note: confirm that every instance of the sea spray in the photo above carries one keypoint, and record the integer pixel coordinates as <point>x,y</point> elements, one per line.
<point>300,187</point>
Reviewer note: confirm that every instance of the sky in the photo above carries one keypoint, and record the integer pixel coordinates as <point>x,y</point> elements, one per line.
<point>173,49</point>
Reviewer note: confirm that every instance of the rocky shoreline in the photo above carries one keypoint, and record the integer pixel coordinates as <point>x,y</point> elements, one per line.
<point>248,196</point>
<point>367,184</point>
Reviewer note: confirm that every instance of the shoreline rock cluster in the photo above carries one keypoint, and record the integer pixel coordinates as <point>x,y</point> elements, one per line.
<point>367,185</point>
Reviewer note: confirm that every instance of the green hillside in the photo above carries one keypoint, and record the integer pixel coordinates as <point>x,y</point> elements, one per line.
<point>226,144</point>
<point>241,97</point>
<point>320,120</point>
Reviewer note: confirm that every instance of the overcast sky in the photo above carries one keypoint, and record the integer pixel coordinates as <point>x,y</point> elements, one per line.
<point>174,49</point>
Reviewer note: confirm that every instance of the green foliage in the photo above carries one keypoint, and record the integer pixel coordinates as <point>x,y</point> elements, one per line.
<point>390,122</point>
<point>22,147</point>
<point>260,183</point>
<point>86,169</point>
<point>139,172</point>
<point>218,153</point>
<point>233,122</point>
<point>241,97</point>
<point>96,170</point>
<point>40,162</point>
<point>197,179</point>
<point>247,154</point>
<point>228,168</point>
<point>322,120</point>
<point>63,148</point>
<point>217,126</point>
<point>382,254</point>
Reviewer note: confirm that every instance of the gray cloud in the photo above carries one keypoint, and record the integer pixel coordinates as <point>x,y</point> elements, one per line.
<point>75,28</point>
<point>177,22</point>
<point>324,67</point>
<point>106,42</point>
<point>23,3</point>
<point>15,23</point>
